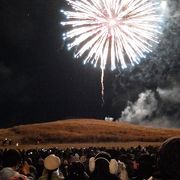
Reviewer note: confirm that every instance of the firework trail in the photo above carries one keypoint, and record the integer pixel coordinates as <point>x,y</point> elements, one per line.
<point>102,86</point>
<point>111,32</point>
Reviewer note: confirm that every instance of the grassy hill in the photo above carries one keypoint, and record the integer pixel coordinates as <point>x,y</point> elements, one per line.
<point>85,131</point>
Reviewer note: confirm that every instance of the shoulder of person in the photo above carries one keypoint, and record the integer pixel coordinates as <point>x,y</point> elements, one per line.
<point>57,178</point>
<point>42,177</point>
<point>153,178</point>
<point>114,177</point>
<point>54,177</point>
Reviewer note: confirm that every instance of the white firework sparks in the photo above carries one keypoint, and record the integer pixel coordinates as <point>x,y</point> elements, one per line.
<point>117,32</point>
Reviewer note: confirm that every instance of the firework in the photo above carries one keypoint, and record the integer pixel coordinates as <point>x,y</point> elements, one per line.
<point>111,32</point>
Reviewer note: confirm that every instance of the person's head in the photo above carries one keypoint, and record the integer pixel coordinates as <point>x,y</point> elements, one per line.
<point>103,164</point>
<point>51,164</point>
<point>76,171</point>
<point>11,158</point>
<point>169,158</point>
<point>145,166</point>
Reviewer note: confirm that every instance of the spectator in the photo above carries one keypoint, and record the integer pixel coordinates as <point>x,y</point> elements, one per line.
<point>32,168</point>
<point>12,164</point>
<point>103,167</point>
<point>76,171</point>
<point>39,166</point>
<point>51,172</point>
<point>145,168</point>
<point>169,160</point>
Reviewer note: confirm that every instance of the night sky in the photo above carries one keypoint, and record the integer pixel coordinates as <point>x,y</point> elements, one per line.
<point>40,81</point>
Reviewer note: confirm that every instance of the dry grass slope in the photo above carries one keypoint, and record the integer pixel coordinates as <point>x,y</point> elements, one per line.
<point>86,130</point>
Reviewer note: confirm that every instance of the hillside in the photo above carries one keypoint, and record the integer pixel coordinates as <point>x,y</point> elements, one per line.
<point>85,131</point>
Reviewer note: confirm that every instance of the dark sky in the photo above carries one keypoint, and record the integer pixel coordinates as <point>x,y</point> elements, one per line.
<point>39,79</point>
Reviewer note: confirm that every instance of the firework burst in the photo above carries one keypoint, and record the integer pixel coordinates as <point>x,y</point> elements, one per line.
<point>113,32</point>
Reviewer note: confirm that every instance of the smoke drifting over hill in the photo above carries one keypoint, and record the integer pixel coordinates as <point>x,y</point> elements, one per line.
<point>150,109</point>
<point>150,91</point>
<point>142,109</point>
<point>171,95</point>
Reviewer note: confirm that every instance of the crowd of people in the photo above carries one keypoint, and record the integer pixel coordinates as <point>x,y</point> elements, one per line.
<point>135,163</point>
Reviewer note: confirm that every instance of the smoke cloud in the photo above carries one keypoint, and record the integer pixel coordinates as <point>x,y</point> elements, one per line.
<point>142,109</point>
<point>158,109</point>
<point>149,93</point>
<point>172,95</point>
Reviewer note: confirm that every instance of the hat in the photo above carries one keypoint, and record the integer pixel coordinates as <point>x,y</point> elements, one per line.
<point>52,162</point>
